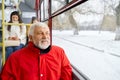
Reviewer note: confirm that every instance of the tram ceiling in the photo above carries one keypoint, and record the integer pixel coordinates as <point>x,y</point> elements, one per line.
<point>25,7</point>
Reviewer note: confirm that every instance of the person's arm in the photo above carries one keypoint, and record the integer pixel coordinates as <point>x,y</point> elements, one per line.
<point>7,33</point>
<point>23,33</point>
<point>9,70</point>
<point>66,71</point>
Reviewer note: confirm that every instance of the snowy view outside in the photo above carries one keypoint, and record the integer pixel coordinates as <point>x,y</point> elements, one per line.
<point>88,35</point>
<point>94,53</point>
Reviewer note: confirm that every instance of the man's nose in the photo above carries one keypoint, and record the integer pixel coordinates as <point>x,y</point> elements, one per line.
<point>45,35</point>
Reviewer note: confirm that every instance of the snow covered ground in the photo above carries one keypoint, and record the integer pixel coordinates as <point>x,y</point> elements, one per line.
<point>94,53</point>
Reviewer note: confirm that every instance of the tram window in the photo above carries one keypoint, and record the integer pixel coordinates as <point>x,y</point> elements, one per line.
<point>90,38</point>
<point>44,8</point>
<point>69,0</point>
<point>57,4</point>
<point>7,3</point>
<point>31,3</point>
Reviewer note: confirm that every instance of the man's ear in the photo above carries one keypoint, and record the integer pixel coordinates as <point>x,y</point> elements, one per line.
<point>30,37</point>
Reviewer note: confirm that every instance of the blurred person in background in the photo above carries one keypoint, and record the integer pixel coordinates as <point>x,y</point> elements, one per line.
<point>15,33</point>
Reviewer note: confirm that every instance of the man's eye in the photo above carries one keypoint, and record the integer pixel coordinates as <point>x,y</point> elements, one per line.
<point>47,33</point>
<point>40,33</point>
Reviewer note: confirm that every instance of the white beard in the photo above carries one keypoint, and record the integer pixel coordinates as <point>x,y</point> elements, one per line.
<point>42,45</point>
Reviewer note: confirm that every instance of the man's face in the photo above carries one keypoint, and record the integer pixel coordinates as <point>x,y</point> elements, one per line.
<point>41,37</point>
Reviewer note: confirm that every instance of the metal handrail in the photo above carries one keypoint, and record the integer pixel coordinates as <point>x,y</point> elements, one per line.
<point>78,75</point>
<point>18,24</point>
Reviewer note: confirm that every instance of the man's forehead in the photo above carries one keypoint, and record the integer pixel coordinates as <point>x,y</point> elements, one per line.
<point>41,28</point>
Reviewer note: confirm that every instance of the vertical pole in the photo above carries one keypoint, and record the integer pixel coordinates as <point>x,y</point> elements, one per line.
<point>44,10</point>
<point>40,10</point>
<point>37,3</point>
<point>3,24</point>
<point>50,19</point>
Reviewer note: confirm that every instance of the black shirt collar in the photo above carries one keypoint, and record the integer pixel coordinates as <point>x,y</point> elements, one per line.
<point>44,51</point>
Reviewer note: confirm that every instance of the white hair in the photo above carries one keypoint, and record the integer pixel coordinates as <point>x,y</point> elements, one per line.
<point>37,24</point>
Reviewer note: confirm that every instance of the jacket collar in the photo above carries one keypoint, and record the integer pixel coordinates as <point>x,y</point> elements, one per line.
<point>38,50</point>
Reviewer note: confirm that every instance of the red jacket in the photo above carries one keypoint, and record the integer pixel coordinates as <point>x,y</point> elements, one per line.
<point>29,64</point>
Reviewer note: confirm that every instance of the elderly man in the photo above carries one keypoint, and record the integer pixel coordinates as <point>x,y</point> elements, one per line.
<point>39,60</point>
